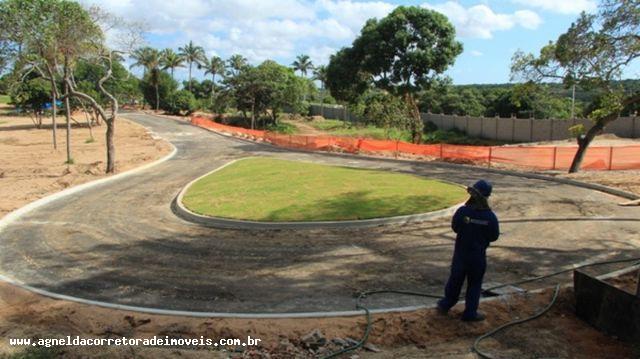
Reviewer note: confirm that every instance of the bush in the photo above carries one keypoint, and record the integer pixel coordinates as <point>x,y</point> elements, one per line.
<point>181,102</point>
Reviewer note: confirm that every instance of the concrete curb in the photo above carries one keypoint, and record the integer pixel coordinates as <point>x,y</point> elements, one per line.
<point>16,214</point>
<point>593,186</point>
<point>183,212</point>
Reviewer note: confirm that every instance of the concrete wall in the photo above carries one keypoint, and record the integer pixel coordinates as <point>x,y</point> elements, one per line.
<point>503,129</point>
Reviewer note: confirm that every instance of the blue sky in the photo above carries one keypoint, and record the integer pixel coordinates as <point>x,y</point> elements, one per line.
<point>491,30</point>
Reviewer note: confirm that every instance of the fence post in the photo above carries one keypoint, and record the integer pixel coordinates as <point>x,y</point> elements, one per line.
<point>441,152</point>
<point>490,156</point>
<point>610,157</point>
<point>397,148</point>
<point>555,156</point>
<point>290,141</point>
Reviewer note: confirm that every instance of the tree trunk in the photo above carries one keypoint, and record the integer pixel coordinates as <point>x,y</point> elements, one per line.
<point>157,97</point>
<point>111,148</point>
<point>190,63</point>
<point>253,115</point>
<point>68,116</point>
<point>416,123</point>
<point>54,109</point>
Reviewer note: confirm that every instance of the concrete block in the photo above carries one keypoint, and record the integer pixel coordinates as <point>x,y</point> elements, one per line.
<point>489,127</point>
<point>606,307</point>
<point>522,130</point>
<point>541,130</point>
<point>505,129</point>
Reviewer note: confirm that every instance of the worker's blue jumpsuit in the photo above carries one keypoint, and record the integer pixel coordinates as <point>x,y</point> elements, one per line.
<point>476,229</point>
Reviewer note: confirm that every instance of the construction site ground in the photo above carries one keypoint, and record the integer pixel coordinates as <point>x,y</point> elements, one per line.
<point>120,243</point>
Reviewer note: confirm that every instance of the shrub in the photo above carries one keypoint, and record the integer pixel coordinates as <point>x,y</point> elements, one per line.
<point>181,102</point>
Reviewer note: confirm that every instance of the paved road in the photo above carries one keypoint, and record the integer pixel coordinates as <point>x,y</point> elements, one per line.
<point>121,243</point>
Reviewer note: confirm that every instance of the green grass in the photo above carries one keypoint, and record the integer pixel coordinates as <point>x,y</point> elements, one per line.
<point>264,189</point>
<point>283,128</point>
<point>343,128</point>
<point>5,99</point>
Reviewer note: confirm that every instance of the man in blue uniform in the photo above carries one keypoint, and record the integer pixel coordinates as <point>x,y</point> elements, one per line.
<point>476,227</point>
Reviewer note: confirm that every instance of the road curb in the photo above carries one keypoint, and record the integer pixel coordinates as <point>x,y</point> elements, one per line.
<point>178,208</point>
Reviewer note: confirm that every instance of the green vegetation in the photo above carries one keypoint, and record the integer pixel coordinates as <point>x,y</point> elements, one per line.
<point>264,189</point>
<point>5,99</point>
<point>284,128</point>
<point>343,128</point>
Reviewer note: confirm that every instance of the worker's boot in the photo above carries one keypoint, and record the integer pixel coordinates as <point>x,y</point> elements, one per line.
<point>478,318</point>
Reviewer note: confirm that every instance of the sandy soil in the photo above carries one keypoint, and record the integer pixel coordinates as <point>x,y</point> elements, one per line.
<point>606,139</point>
<point>627,282</point>
<point>416,334</point>
<point>30,168</point>
<point>625,180</point>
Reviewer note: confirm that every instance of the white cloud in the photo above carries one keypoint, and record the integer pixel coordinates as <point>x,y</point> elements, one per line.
<point>562,7</point>
<point>475,53</point>
<point>354,14</point>
<point>282,29</point>
<point>480,21</point>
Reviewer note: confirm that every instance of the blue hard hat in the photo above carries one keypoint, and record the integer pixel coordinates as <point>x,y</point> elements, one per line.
<point>483,187</point>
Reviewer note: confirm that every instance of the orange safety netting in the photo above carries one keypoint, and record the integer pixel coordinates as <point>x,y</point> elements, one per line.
<point>543,158</point>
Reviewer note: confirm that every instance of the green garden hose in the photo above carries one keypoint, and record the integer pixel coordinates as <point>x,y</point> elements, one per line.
<point>367,312</point>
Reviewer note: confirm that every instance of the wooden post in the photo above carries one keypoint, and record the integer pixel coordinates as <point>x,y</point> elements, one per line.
<point>490,156</point>
<point>397,148</point>
<point>610,157</point>
<point>555,156</point>
<point>441,152</point>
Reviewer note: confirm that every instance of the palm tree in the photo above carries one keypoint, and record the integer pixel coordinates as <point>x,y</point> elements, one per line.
<point>192,53</point>
<point>236,63</point>
<point>320,74</point>
<point>171,60</point>
<point>303,64</point>
<point>149,59</point>
<point>215,66</point>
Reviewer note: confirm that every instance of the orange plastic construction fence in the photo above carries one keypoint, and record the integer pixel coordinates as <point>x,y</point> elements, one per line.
<point>537,157</point>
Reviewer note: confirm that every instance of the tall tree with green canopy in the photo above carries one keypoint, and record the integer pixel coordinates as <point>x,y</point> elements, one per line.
<point>170,60</point>
<point>592,54</point>
<point>403,53</point>
<point>151,60</point>
<point>192,54</point>
<point>303,64</point>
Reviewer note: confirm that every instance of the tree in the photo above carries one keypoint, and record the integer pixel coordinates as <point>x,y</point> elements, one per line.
<point>303,64</point>
<point>237,63</point>
<point>592,54</point>
<point>215,66</point>
<point>192,54</point>
<point>32,95</point>
<point>150,59</point>
<point>158,88</point>
<point>403,53</point>
<point>269,86</point>
<point>170,60</point>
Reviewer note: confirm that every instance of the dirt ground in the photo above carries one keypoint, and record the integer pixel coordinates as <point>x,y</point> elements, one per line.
<point>624,180</point>
<point>417,334</point>
<point>30,168</point>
